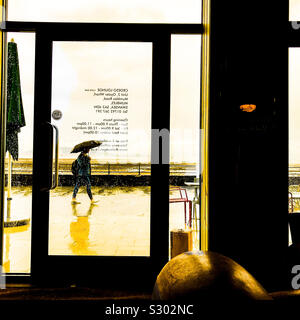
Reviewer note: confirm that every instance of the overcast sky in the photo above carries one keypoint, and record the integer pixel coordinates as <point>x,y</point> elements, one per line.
<point>75,70</point>
<point>187,11</point>
<point>78,66</point>
<point>294,105</point>
<point>81,66</point>
<point>294,10</point>
<point>294,91</point>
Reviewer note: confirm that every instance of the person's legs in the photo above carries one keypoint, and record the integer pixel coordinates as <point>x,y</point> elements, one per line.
<point>88,187</point>
<point>76,188</point>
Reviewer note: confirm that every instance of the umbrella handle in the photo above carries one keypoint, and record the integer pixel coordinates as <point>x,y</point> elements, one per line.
<point>55,180</point>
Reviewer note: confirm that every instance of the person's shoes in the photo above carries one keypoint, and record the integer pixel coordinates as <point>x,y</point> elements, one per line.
<point>94,201</point>
<point>74,201</point>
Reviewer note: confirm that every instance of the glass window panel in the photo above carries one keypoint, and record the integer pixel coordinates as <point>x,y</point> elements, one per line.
<point>129,11</point>
<point>102,91</point>
<point>185,140</point>
<point>294,10</point>
<point>294,138</point>
<point>18,187</point>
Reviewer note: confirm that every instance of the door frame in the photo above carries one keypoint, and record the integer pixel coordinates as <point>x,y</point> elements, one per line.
<point>123,269</point>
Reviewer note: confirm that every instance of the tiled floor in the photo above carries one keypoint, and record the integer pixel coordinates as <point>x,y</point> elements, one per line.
<point>119,225</point>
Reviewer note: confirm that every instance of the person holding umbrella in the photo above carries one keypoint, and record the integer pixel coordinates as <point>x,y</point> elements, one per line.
<point>83,172</point>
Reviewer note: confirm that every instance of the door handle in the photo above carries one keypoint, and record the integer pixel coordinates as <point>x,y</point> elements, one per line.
<point>55,179</point>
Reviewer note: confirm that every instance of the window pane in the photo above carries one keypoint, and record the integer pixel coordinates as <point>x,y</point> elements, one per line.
<point>294,10</point>
<point>18,187</point>
<point>129,11</point>
<point>102,91</point>
<point>294,134</point>
<point>185,141</point>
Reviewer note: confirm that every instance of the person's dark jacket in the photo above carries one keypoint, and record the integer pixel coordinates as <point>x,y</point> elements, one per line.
<point>84,162</point>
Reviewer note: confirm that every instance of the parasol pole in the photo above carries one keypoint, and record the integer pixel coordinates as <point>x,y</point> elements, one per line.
<point>9,172</point>
<point>9,198</point>
<point>9,177</point>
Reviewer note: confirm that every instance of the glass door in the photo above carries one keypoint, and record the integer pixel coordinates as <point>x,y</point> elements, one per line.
<point>97,205</point>
<point>101,100</point>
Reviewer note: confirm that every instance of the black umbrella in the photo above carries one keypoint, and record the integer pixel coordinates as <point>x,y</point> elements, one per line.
<point>15,114</point>
<point>86,145</point>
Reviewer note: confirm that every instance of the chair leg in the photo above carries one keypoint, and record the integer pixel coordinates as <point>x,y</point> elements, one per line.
<point>185,214</point>
<point>190,213</point>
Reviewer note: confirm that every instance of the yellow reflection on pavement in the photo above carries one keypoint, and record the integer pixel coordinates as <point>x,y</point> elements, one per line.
<point>79,232</point>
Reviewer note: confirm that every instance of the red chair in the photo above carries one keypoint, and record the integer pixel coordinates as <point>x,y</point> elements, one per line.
<point>183,197</point>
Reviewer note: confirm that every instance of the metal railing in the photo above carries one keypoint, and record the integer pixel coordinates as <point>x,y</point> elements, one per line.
<point>294,171</point>
<point>24,166</point>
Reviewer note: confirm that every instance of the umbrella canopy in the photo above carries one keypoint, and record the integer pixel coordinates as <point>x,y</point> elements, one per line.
<point>86,145</point>
<point>15,114</point>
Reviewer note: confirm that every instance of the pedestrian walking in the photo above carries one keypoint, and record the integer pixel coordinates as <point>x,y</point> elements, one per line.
<point>81,168</point>
<point>82,171</point>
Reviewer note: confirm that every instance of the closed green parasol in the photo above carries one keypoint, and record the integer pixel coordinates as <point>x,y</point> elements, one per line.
<point>15,113</point>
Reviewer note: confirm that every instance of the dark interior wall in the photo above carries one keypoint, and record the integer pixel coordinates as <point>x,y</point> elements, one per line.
<point>248,152</point>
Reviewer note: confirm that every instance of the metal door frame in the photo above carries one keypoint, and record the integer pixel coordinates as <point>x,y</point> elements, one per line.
<point>58,269</point>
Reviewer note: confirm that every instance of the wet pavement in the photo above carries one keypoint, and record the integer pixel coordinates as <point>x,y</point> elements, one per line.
<point>118,225</point>
<point>17,240</point>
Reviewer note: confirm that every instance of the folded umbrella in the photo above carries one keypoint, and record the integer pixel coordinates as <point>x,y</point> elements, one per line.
<point>15,118</point>
<point>86,145</point>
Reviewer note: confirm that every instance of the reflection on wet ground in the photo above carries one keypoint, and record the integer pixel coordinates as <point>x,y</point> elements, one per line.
<point>119,225</point>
